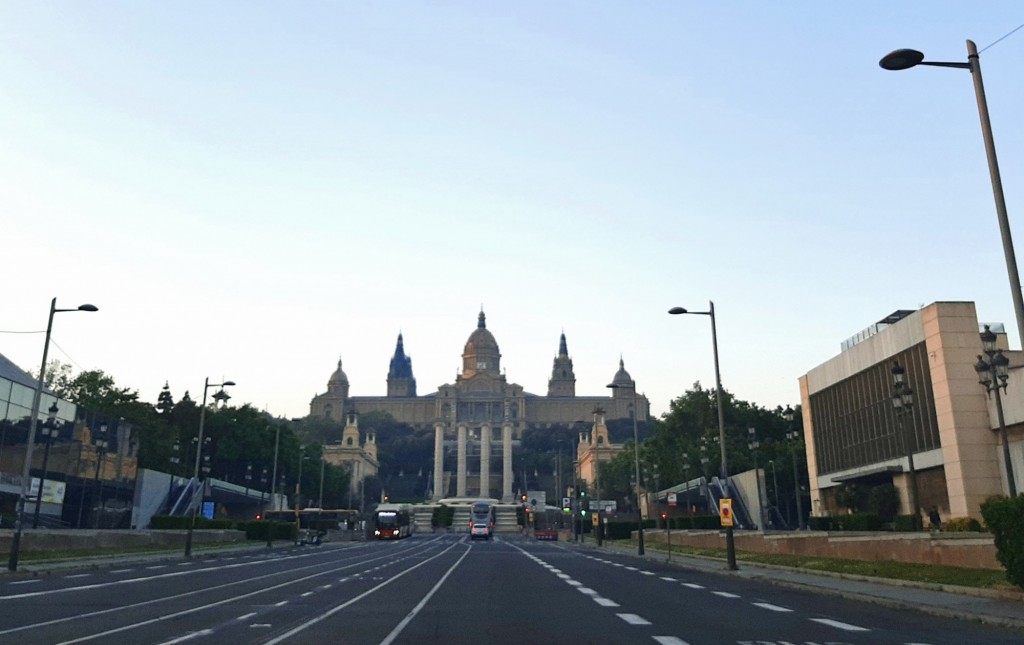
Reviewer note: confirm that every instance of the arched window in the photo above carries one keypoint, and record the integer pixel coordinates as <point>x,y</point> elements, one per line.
<point>348,442</point>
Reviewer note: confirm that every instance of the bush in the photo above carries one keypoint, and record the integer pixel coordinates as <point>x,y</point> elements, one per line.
<point>1005,518</point>
<point>180,523</point>
<point>859,522</point>
<point>820,523</point>
<point>442,517</point>
<point>962,525</point>
<point>884,501</point>
<point>906,523</point>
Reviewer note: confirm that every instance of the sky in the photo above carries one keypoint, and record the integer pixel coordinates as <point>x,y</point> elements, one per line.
<point>252,191</point>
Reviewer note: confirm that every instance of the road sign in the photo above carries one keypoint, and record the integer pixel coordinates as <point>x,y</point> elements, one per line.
<point>671,499</point>
<point>725,511</point>
<point>595,518</point>
<point>566,502</point>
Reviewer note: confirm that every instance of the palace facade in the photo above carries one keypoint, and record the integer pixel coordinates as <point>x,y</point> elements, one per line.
<point>468,412</point>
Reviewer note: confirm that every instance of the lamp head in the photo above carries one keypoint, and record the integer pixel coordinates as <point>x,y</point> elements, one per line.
<point>787,414</point>
<point>901,59</point>
<point>677,310</point>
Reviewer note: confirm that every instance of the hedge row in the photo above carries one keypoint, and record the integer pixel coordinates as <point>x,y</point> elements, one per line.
<point>254,529</point>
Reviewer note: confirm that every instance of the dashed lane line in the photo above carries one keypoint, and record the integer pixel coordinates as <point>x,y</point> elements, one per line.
<point>669,640</point>
<point>771,607</point>
<point>838,625</point>
<point>725,594</point>
<point>634,619</point>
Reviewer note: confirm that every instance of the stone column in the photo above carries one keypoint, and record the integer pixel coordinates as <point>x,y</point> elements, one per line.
<point>460,477</point>
<point>438,461</point>
<point>485,460</point>
<point>506,463</point>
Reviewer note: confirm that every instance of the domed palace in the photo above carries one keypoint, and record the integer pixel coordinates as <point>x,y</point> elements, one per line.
<point>480,402</point>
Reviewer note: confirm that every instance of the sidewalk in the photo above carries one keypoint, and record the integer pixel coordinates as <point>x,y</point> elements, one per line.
<point>1005,609</point>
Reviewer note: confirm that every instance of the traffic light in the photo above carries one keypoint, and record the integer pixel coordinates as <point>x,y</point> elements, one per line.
<point>664,516</point>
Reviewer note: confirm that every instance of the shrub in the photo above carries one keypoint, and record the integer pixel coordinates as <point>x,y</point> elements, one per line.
<point>858,522</point>
<point>257,530</point>
<point>181,522</point>
<point>905,523</point>
<point>1005,518</point>
<point>962,525</point>
<point>443,516</point>
<point>820,523</point>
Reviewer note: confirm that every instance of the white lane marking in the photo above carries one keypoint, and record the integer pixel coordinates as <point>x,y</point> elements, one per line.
<point>725,594</point>
<point>633,619</point>
<point>23,582</point>
<point>574,583</point>
<point>564,576</point>
<point>669,640</point>
<point>668,579</point>
<point>308,593</point>
<point>246,616</point>
<point>281,604</point>
<point>605,602</point>
<point>375,589</point>
<point>325,587</point>
<point>423,603</point>
<point>693,585</point>
<point>647,573</point>
<point>119,571</point>
<point>156,566</point>
<point>586,590</point>
<point>260,625</point>
<point>631,568</point>
<point>771,607</point>
<point>188,637</point>
<point>838,625</point>
<point>78,575</point>
<point>191,610</point>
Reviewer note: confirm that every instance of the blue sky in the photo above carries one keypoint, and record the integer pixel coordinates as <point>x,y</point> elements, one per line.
<point>253,190</point>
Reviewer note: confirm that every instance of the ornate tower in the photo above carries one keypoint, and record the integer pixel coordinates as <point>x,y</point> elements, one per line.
<point>563,379</point>
<point>481,355</point>
<point>401,382</point>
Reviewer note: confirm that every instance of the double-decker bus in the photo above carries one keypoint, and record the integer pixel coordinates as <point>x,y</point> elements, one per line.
<point>481,520</point>
<point>393,521</point>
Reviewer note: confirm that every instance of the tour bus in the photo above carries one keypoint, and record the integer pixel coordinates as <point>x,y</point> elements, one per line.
<point>481,520</point>
<point>393,521</point>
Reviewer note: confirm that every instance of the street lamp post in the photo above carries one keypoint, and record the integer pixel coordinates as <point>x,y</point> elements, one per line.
<point>323,463</point>
<point>221,395</point>
<point>753,444</point>
<point>794,439</point>
<point>49,432</point>
<point>26,471</point>
<point>775,484</point>
<point>636,464</point>
<point>730,544</point>
<point>992,375</point>
<point>905,59</point>
<point>902,403</point>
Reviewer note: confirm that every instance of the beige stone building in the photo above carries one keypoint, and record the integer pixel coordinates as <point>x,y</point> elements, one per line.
<point>481,415</point>
<point>595,448</point>
<point>358,455</point>
<point>855,434</point>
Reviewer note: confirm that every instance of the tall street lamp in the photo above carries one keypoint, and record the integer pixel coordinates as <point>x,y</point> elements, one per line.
<point>26,471</point>
<point>221,395</point>
<point>730,544</point>
<point>636,463</point>
<point>793,436</point>
<point>49,432</point>
<point>902,403</point>
<point>993,374</point>
<point>753,444</point>
<point>905,59</point>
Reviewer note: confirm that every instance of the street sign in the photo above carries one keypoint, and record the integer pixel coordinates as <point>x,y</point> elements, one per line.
<point>595,518</point>
<point>725,511</point>
<point>566,502</point>
<point>671,499</point>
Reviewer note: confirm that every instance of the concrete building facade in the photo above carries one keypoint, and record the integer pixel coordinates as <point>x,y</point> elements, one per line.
<point>854,433</point>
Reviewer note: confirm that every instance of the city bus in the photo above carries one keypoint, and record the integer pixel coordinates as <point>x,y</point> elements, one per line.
<point>393,521</point>
<point>481,520</point>
<point>320,520</point>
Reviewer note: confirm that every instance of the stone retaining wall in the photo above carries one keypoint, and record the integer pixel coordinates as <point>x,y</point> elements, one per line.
<point>970,550</point>
<point>86,539</point>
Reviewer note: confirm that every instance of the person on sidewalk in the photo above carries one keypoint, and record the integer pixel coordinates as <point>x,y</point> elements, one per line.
<point>933,517</point>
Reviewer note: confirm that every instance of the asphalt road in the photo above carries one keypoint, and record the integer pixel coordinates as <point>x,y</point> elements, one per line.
<point>445,589</point>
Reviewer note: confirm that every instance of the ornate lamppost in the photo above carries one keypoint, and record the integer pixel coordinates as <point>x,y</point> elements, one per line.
<point>793,436</point>
<point>902,403</point>
<point>993,375</point>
